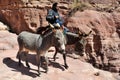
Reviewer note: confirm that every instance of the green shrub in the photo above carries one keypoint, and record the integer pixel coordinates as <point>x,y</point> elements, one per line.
<point>80,5</point>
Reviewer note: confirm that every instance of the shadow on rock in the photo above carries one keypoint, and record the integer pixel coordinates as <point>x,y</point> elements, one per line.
<point>56,65</point>
<point>24,70</point>
<point>32,60</point>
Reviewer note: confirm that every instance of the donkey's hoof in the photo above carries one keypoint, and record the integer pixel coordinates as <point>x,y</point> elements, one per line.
<point>54,59</point>
<point>28,66</point>
<point>46,71</point>
<point>66,67</point>
<point>39,74</point>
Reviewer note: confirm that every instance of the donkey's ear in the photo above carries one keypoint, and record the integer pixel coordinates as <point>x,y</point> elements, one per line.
<point>80,33</point>
<point>90,32</point>
<point>54,30</point>
<point>62,28</point>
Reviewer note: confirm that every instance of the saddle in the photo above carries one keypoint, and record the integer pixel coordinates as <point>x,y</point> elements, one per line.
<point>44,30</point>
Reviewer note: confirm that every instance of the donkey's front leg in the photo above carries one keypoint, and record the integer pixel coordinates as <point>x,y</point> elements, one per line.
<point>47,62</point>
<point>26,58</point>
<point>38,59</point>
<point>56,50</point>
<point>64,57</point>
<point>19,57</point>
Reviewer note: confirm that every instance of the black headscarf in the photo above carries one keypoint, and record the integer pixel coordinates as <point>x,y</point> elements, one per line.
<point>54,7</point>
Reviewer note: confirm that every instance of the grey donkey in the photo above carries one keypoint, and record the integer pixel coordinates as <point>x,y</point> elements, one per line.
<point>73,38</point>
<point>40,44</point>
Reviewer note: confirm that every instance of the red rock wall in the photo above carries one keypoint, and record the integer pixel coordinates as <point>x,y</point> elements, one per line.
<point>21,17</point>
<point>105,40</point>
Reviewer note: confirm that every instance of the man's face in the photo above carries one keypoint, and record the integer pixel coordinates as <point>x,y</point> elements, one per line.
<point>57,7</point>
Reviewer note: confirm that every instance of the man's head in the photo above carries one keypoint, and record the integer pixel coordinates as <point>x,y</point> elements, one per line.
<point>55,4</point>
<point>55,7</point>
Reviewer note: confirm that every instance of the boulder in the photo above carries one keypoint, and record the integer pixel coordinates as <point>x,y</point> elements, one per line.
<point>8,41</point>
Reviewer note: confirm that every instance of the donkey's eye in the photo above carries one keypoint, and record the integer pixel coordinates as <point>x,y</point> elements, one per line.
<point>57,38</point>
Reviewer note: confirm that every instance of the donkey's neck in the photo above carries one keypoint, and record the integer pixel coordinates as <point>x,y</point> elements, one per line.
<point>72,38</point>
<point>47,40</point>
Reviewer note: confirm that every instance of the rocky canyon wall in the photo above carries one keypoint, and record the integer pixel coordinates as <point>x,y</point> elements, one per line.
<point>104,42</point>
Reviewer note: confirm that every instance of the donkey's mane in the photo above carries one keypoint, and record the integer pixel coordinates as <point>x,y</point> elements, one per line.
<point>48,33</point>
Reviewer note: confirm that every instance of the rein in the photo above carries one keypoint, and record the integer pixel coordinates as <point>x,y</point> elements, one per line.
<point>47,34</point>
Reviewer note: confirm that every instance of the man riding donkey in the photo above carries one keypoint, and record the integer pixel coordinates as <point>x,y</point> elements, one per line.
<point>54,19</point>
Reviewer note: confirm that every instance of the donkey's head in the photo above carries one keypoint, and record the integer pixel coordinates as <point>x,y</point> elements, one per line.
<point>59,39</point>
<point>83,34</point>
<point>80,45</point>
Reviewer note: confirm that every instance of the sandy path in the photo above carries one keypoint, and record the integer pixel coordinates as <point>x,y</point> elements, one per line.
<point>9,69</point>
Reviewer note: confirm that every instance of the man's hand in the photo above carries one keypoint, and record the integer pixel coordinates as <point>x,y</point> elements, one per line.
<point>56,16</point>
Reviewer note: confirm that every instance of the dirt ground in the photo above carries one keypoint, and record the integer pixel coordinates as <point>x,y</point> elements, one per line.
<point>78,70</point>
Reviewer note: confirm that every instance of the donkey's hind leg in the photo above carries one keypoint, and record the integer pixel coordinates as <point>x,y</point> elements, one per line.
<point>26,59</point>
<point>19,57</point>
<point>19,54</point>
<point>38,59</point>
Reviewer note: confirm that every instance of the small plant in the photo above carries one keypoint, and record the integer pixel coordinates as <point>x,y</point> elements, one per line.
<point>80,5</point>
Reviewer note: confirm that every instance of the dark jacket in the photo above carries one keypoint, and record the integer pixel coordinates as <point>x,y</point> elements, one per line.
<point>52,19</point>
